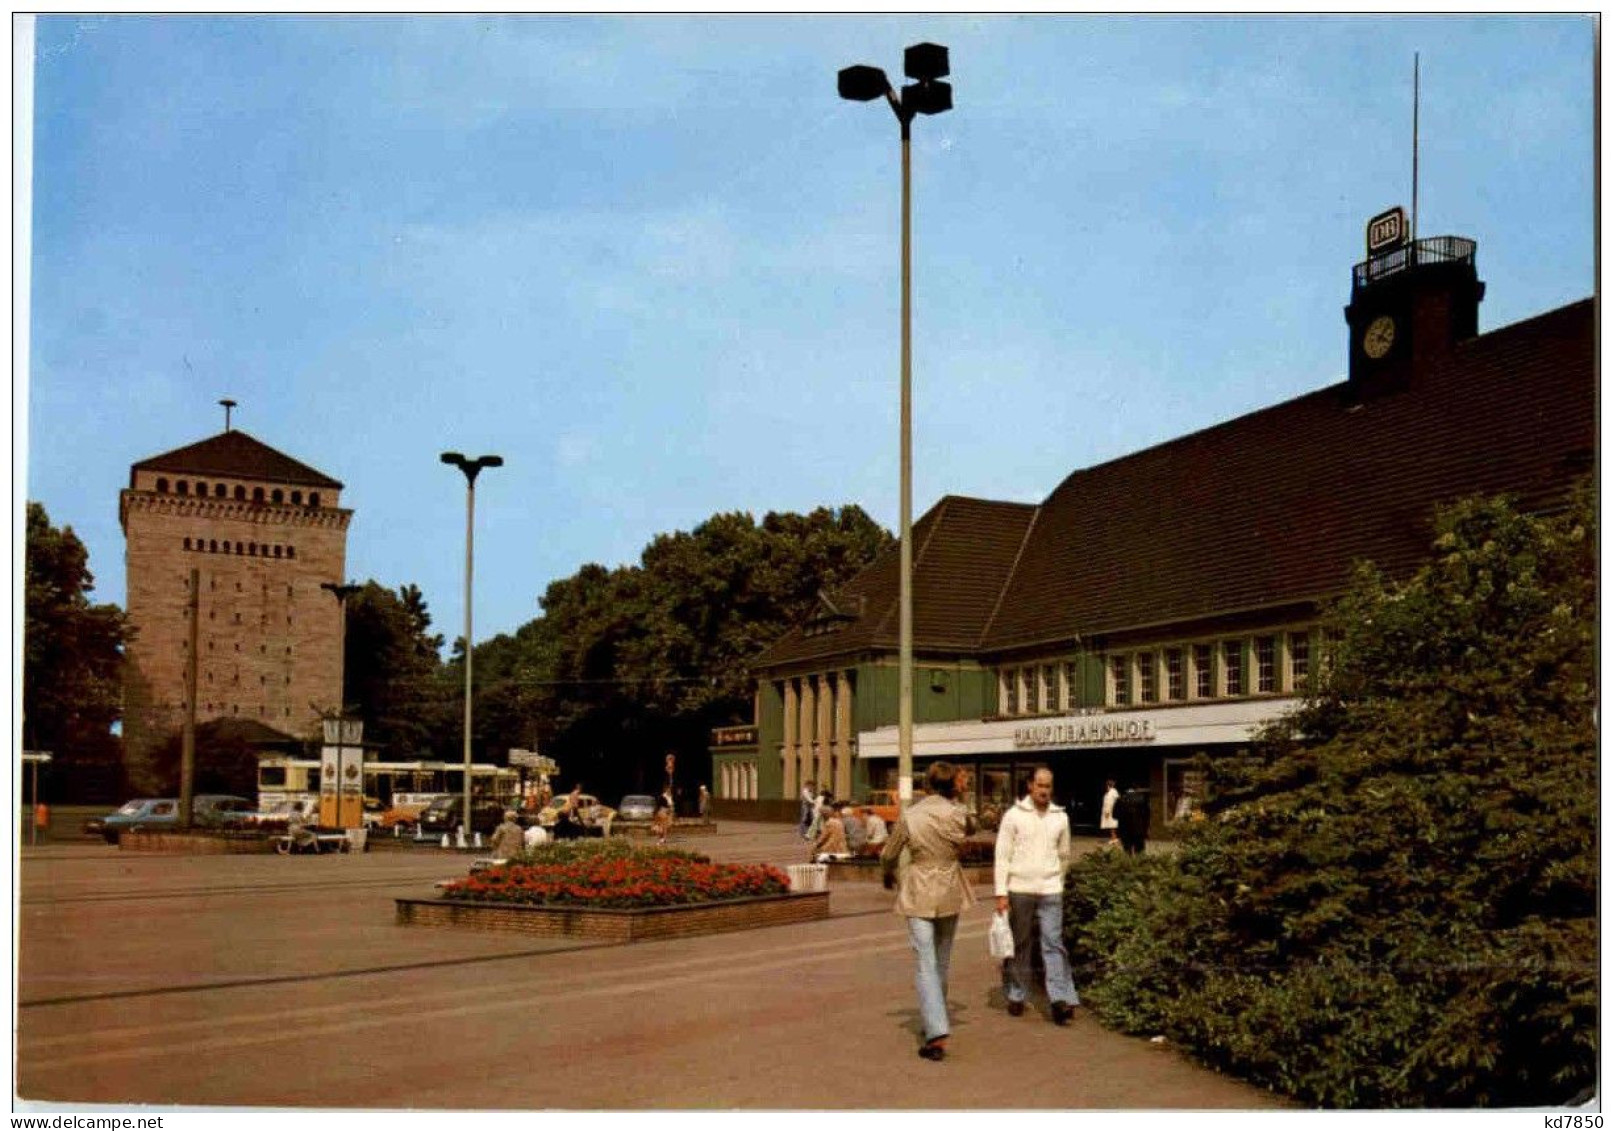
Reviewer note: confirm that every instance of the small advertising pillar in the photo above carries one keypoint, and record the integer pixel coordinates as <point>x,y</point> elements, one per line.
<point>341,774</point>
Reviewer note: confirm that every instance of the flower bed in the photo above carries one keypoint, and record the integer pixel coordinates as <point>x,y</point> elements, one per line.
<point>616,879</point>
<point>610,890</point>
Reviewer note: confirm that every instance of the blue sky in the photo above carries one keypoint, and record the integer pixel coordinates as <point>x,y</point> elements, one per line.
<point>653,260</point>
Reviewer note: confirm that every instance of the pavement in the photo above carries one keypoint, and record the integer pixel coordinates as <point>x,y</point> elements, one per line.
<point>283,982</point>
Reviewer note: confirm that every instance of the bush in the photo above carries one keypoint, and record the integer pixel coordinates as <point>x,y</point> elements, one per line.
<point>1393,901</point>
<point>592,874</point>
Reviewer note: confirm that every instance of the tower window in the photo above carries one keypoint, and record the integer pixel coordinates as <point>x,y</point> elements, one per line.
<point>183,487</point>
<point>277,495</point>
<point>277,551</point>
<point>162,485</point>
<point>187,543</point>
<point>291,551</point>
<point>257,494</point>
<point>212,545</point>
<point>313,498</point>
<point>296,497</point>
<point>240,492</point>
<point>219,490</point>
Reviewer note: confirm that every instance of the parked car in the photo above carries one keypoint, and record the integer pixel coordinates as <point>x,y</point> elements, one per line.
<point>277,816</point>
<point>208,810</point>
<point>405,810</point>
<point>636,807</point>
<point>445,814</point>
<point>593,813</point>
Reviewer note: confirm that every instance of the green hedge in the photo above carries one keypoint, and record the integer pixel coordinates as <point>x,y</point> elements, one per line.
<point>1393,902</point>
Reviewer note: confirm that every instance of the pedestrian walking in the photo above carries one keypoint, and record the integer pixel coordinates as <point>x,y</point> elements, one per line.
<point>1106,819</point>
<point>809,805</point>
<point>931,892</point>
<point>703,802</point>
<point>1132,814</point>
<point>661,822</point>
<point>1033,852</point>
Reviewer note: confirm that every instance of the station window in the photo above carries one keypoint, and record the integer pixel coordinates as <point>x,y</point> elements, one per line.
<point>1010,690</point>
<point>1265,664</point>
<point>1027,691</point>
<point>1147,689</point>
<point>1299,659</point>
<point>1120,681</point>
<point>1072,695</point>
<point>1175,677</point>
<point>1232,664</point>
<point>1203,672</point>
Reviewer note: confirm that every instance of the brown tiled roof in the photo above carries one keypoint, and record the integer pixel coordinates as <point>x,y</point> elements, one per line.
<point>1274,507</point>
<point>236,454</point>
<point>964,550</point>
<point>1267,510</point>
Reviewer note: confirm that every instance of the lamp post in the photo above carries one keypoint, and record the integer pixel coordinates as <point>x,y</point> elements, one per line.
<point>341,593</point>
<point>471,468</point>
<point>927,64</point>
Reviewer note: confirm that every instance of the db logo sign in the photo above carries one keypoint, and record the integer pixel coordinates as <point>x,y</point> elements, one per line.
<point>1386,230</point>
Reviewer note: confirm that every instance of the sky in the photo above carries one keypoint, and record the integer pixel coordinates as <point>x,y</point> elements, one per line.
<point>653,261</point>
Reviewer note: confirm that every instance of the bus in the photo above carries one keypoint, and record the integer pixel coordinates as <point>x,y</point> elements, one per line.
<point>389,784</point>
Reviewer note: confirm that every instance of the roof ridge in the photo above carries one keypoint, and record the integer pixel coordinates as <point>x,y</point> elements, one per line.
<point>939,513</point>
<point>1008,579</point>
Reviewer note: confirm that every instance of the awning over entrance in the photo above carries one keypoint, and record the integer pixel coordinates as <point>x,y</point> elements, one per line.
<point>1196,725</point>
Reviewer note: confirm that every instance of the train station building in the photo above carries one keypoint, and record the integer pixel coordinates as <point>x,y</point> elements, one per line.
<point>1166,604</point>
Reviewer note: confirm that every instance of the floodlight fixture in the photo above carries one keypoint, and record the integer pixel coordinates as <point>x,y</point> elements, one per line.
<point>925,61</point>
<point>863,83</point>
<point>927,97</point>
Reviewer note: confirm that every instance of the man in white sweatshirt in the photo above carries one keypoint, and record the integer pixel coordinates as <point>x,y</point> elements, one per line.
<point>1033,850</point>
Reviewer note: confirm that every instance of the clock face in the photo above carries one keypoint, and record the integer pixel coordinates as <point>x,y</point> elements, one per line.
<point>1379,338</point>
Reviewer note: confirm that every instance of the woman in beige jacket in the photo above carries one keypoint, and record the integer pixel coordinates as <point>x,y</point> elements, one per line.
<point>931,891</point>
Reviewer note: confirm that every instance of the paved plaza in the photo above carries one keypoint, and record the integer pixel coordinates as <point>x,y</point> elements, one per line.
<point>283,982</point>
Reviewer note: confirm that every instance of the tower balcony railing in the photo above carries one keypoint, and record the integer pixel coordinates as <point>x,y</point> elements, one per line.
<point>1435,249</point>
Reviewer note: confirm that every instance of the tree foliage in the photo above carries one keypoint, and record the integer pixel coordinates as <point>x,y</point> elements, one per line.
<point>72,656</point>
<point>392,676</point>
<point>1394,903</point>
<point>629,663</point>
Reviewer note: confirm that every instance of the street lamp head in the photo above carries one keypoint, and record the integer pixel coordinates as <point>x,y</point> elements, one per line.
<point>454,458</point>
<point>927,97</point>
<point>491,461</point>
<point>925,61</point>
<point>863,83</point>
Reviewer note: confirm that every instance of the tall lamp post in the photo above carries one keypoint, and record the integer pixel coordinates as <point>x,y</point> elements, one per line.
<point>471,468</point>
<point>926,63</point>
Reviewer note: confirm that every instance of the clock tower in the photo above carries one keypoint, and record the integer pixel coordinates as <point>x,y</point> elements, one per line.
<point>1410,302</point>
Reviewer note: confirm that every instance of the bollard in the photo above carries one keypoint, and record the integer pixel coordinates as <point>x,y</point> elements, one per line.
<point>478,840</point>
<point>445,840</point>
<point>461,838</point>
<point>397,831</point>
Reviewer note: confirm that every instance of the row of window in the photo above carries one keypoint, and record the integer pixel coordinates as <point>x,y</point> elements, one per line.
<point>234,708</point>
<point>223,491</point>
<point>235,680</point>
<point>263,649</point>
<point>250,549</point>
<point>1268,664</point>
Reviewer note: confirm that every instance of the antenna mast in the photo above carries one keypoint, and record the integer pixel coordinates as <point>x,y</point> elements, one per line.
<point>1416,99</point>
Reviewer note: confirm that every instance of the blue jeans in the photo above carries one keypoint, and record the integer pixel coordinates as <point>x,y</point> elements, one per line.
<point>1043,915</point>
<point>932,946</point>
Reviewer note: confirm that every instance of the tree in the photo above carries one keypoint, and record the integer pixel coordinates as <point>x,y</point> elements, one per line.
<point>1394,902</point>
<point>392,668</point>
<point>225,763</point>
<point>72,662</point>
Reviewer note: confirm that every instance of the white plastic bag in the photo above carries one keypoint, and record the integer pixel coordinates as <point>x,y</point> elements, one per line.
<point>1001,936</point>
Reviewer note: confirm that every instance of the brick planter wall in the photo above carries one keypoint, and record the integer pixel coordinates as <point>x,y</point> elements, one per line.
<point>614,924</point>
<point>192,844</point>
